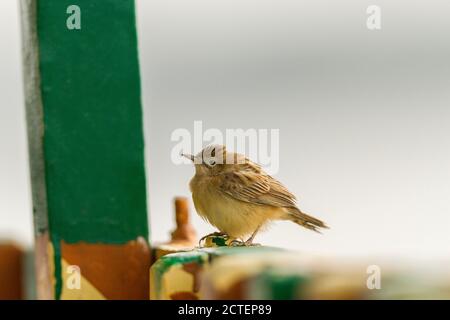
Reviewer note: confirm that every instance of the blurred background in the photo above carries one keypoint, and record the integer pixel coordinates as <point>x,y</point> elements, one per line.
<point>363,115</point>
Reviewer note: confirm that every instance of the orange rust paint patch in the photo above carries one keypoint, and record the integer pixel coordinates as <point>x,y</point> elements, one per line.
<point>237,291</point>
<point>194,269</point>
<point>11,259</point>
<point>119,272</point>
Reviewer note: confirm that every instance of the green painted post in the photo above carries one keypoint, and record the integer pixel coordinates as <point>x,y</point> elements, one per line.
<point>86,146</point>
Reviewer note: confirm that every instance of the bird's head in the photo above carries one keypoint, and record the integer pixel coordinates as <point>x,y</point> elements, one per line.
<point>215,159</point>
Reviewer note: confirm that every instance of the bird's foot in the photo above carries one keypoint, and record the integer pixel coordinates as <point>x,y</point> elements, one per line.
<point>251,244</point>
<point>214,234</point>
<point>240,243</point>
<point>237,243</point>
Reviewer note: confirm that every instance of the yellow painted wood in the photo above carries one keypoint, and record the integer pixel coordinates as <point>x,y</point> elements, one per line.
<point>86,292</point>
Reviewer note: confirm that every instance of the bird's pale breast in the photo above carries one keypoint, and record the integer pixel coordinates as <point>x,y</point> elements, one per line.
<point>234,217</point>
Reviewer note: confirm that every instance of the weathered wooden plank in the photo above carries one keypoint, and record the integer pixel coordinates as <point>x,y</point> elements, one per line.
<point>179,275</point>
<point>86,142</point>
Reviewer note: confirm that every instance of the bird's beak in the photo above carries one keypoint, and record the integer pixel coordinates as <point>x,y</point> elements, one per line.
<point>189,156</point>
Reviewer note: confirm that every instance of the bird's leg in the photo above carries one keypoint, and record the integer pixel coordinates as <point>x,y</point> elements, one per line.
<point>249,241</point>
<point>217,234</point>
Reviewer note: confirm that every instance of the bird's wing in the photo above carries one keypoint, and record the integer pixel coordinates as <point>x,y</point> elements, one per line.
<point>256,188</point>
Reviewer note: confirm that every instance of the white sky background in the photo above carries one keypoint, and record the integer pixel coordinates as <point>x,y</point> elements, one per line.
<point>15,203</point>
<point>364,116</point>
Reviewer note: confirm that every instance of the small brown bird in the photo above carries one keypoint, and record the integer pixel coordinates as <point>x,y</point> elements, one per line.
<point>237,197</point>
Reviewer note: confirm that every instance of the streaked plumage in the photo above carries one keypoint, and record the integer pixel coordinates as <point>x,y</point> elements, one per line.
<point>237,197</point>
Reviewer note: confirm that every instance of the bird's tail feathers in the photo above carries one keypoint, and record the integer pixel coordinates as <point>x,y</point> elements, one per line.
<point>305,220</point>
